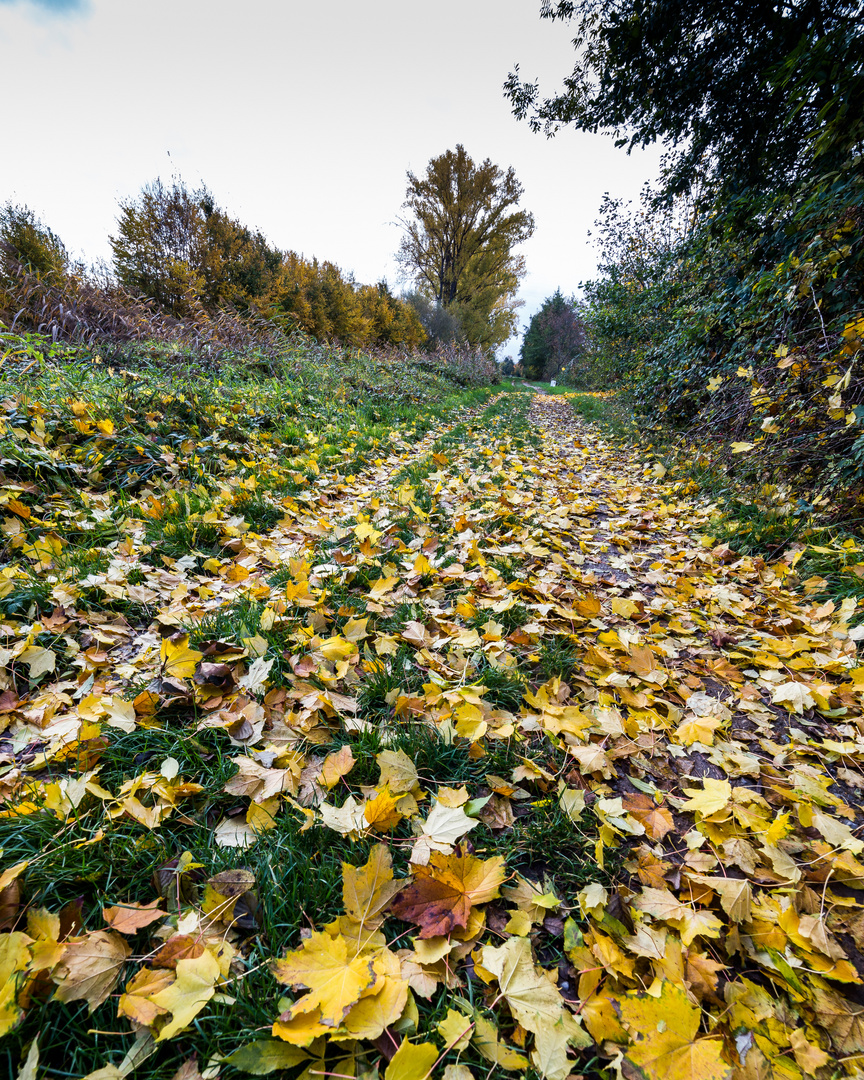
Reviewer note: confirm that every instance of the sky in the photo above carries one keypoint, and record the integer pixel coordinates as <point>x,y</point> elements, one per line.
<point>301,117</point>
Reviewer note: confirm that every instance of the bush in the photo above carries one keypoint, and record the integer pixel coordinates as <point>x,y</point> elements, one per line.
<point>745,326</point>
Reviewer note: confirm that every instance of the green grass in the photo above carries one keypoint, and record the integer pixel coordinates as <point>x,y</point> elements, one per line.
<point>557,658</point>
<point>537,384</point>
<point>610,412</point>
<point>505,687</point>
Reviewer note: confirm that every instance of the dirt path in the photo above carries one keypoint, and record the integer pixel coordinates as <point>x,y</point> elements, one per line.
<point>726,755</point>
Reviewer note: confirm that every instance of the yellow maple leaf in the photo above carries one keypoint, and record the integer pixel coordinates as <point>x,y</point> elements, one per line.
<point>422,565</point>
<point>455,1029</point>
<point>536,1004</point>
<point>45,549</point>
<point>355,630</point>
<point>368,889</point>
<point>381,587</point>
<point>178,659</point>
<point>713,797</point>
<point>188,994</point>
<point>777,830</point>
<point>625,608</point>
<point>14,958</point>
<point>38,659</point>
<point>398,771</point>
<point>302,1029</point>
<point>664,1044</point>
<point>735,894</point>
<point>334,977</point>
<point>337,648</point>
<point>11,873</point>
<point>486,1039</point>
<point>364,530</point>
<point>697,729</point>
<point>380,811</point>
<point>375,1012</point>
<point>136,1003</point>
<point>412,1061</point>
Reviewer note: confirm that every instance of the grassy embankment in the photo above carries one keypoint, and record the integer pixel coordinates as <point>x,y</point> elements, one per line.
<point>140,504</point>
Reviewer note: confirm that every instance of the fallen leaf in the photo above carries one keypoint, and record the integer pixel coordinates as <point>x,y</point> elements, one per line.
<point>90,968</point>
<point>187,996</point>
<point>264,1056</point>
<point>664,1043</point>
<point>335,978</point>
<point>445,890</point>
<point>130,918</point>
<point>412,1061</point>
<point>367,890</point>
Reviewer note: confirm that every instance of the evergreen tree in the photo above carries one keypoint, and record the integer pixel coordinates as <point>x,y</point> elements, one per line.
<point>555,337</point>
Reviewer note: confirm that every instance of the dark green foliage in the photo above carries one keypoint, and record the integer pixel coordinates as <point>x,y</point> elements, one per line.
<point>441,323</point>
<point>737,326</point>
<point>744,85</point>
<point>730,304</point>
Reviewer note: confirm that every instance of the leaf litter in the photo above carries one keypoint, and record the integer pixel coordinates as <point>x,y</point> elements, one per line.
<point>545,609</point>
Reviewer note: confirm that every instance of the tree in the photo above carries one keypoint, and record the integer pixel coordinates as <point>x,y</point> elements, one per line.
<point>25,241</point>
<point>555,337</point>
<point>747,89</point>
<point>458,242</point>
<point>440,323</point>
<point>178,248</point>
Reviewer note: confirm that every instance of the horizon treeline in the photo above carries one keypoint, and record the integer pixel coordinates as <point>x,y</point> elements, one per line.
<point>178,250</point>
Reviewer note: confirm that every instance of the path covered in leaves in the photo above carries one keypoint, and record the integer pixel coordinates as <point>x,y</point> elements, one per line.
<point>482,758</point>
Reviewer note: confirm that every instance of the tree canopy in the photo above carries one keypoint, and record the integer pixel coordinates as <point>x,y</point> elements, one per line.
<point>457,245</point>
<point>25,240</point>
<point>555,336</point>
<point>742,90</point>
<point>178,248</point>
